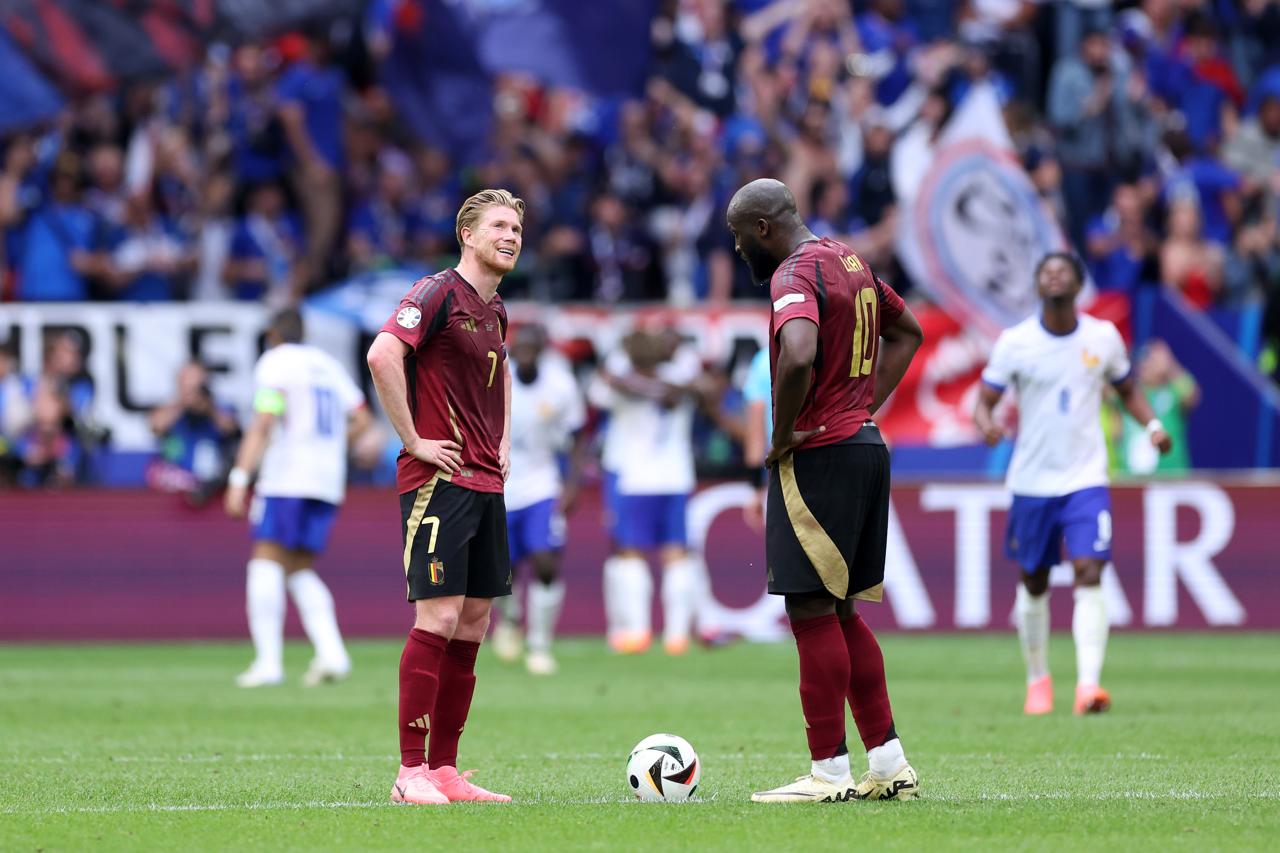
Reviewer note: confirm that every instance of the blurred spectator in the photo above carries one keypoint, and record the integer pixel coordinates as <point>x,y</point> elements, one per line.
<point>872,203</point>
<point>698,54</point>
<point>812,158</point>
<point>105,197</point>
<point>436,207</point>
<point>384,229</point>
<point>49,452</point>
<point>1254,151</point>
<point>1121,248</point>
<point>1172,393</point>
<point>197,436</point>
<point>56,257</point>
<point>264,263</point>
<point>829,205</point>
<point>1003,29</point>
<point>257,135</point>
<point>15,411</point>
<point>1190,264</point>
<point>63,366</point>
<point>1097,111</point>
<point>216,227</point>
<point>1200,175</point>
<point>310,97</point>
<point>622,261</point>
<point>152,261</point>
<point>1253,268</point>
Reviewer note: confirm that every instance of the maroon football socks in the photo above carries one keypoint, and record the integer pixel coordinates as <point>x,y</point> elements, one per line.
<point>824,681</point>
<point>868,692</point>
<point>420,666</point>
<point>457,685</point>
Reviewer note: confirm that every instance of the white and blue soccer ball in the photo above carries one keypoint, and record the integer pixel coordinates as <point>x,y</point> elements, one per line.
<point>663,768</point>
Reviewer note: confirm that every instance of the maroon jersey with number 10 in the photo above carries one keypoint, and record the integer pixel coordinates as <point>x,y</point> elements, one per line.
<point>826,282</point>
<point>455,373</point>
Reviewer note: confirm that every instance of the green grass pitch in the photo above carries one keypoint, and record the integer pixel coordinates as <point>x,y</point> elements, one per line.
<point>150,747</point>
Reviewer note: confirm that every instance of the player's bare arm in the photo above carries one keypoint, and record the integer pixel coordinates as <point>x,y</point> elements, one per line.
<point>1135,403</point>
<point>899,342</point>
<point>579,453</point>
<point>984,414</point>
<point>633,383</point>
<point>797,349</point>
<point>248,458</point>
<point>359,422</point>
<point>386,365</point>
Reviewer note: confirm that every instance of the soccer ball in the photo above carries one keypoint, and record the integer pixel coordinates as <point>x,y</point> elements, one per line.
<point>663,768</point>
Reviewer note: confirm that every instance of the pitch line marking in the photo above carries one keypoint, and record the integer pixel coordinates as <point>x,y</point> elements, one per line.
<point>1172,796</point>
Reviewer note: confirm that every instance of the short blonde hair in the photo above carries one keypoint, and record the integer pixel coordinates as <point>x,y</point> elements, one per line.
<point>472,208</point>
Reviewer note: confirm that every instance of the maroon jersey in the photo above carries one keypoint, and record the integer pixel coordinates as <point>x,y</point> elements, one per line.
<point>456,377</point>
<point>826,282</point>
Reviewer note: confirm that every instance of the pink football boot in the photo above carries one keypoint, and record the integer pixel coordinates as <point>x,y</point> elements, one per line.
<point>415,785</point>
<point>454,785</point>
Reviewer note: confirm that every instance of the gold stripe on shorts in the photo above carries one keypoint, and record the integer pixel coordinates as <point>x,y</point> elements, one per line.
<point>871,593</point>
<point>415,517</point>
<point>818,547</point>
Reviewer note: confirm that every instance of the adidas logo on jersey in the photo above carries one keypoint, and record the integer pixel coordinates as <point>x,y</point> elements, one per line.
<point>468,325</point>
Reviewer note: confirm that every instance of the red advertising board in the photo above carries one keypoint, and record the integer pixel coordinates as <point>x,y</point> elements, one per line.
<point>137,565</point>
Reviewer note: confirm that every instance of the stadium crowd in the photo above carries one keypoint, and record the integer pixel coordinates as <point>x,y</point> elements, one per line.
<point>275,170</point>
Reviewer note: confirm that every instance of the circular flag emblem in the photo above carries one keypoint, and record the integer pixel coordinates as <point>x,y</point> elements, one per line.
<point>409,317</point>
<point>981,227</point>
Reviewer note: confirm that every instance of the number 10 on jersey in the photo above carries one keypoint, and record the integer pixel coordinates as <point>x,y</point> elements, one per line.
<point>865,332</point>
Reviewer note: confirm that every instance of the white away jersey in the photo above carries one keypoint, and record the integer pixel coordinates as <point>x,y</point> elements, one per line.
<point>1059,381</point>
<point>306,454</point>
<point>648,446</point>
<point>544,416</point>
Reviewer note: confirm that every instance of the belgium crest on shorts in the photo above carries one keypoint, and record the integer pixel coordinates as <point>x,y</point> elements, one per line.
<point>435,571</point>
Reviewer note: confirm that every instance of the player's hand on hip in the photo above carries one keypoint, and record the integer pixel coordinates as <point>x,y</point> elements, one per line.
<point>753,511</point>
<point>1162,440</point>
<point>235,501</point>
<point>993,435</point>
<point>445,454</point>
<point>784,444</point>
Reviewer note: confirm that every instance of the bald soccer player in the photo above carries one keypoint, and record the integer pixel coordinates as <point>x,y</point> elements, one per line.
<point>840,340</point>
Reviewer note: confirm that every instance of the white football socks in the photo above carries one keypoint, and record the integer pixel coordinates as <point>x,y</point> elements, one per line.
<point>315,607</point>
<point>615,615</point>
<point>832,769</point>
<point>636,589</point>
<point>507,608</point>
<point>264,590</point>
<point>679,598</point>
<point>884,761</point>
<point>544,612</point>
<point>1031,612</point>
<point>1089,627</point>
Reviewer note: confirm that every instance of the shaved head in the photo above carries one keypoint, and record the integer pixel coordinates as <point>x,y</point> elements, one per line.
<point>764,198</point>
<point>766,226</point>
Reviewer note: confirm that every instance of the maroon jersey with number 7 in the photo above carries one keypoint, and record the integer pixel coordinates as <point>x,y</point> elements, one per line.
<point>455,373</point>
<point>827,283</point>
